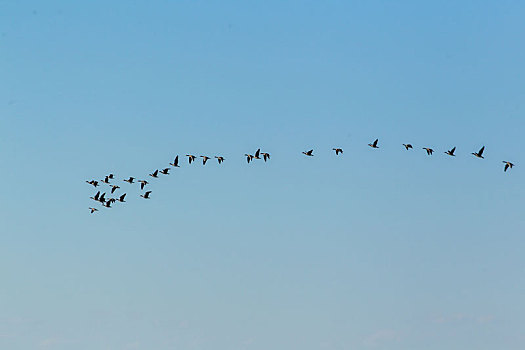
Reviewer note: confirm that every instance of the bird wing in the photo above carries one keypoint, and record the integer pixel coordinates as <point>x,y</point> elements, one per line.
<point>481,150</point>
<point>375,142</point>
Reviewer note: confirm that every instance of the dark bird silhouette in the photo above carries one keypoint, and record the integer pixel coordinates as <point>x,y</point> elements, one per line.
<point>338,150</point>
<point>95,198</point>
<point>121,198</point>
<point>256,156</point>
<point>93,210</point>
<point>407,146</point>
<point>309,153</point>
<point>479,153</point>
<point>142,184</point>
<point>154,174</point>
<point>374,144</point>
<point>249,157</point>
<point>108,204</point>
<point>507,165</point>
<point>111,176</point>
<point>429,150</point>
<point>266,156</point>
<point>204,159</point>
<point>130,180</point>
<point>112,200</point>
<point>175,162</point>
<point>451,152</point>
<point>191,158</point>
<point>102,198</point>
<point>93,182</point>
<point>145,195</point>
<point>165,171</point>
<point>114,188</point>
<point>219,159</point>
<point>106,180</point>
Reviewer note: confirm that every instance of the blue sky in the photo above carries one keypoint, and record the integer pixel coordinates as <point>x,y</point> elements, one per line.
<point>374,249</point>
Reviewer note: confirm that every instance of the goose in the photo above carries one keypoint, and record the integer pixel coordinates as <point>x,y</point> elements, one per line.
<point>507,165</point>
<point>93,182</point>
<point>121,198</point>
<point>102,198</point>
<point>142,184</point>
<point>249,157</point>
<point>374,144</point>
<point>93,210</point>
<point>165,171</point>
<point>111,176</point>
<point>451,152</point>
<point>112,200</point>
<point>114,187</point>
<point>204,159</point>
<point>309,153</point>
<point>338,150</point>
<point>155,174</point>
<point>429,150</point>
<point>145,195</point>
<point>130,180</point>
<point>219,159</point>
<point>95,198</point>
<point>175,162</point>
<point>191,158</point>
<point>266,156</point>
<point>108,204</point>
<point>106,180</point>
<point>256,156</point>
<point>479,153</point>
<point>407,146</point>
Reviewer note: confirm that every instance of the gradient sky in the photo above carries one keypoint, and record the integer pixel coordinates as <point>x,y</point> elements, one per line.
<point>374,249</point>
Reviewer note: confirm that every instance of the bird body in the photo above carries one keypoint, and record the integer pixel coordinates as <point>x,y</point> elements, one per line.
<point>93,210</point>
<point>219,159</point>
<point>121,198</point>
<point>257,153</point>
<point>266,156</point>
<point>204,159</point>
<point>93,182</point>
<point>191,158</point>
<point>130,180</point>
<point>374,144</point>
<point>338,150</point>
<point>155,174</point>
<point>429,150</point>
<point>114,188</point>
<point>106,180</point>
<point>309,153</point>
<point>142,184</point>
<point>451,152</point>
<point>507,165</point>
<point>479,154</point>
<point>175,162</point>
<point>407,146</point>
<point>95,198</point>
<point>249,157</point>
<point>146,195</point>
<point>165,171</point>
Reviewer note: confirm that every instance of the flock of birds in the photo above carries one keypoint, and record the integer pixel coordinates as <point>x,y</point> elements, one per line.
<point>107,202</point>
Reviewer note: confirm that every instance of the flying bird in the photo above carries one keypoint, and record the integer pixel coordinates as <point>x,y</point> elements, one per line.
<point>266,156</point>
<point>95,198</point>
<point>429,150</point>
<point>407,146</point>
<point>114,187</point>
<point>507,165</point>
<point>338,150</point>
<point>130,180</point>
<point>479,153</point>
<point>219,159</point>
<point>451,152</point>
<point>93,182</point>
<point>108,204</point>
<point>249,157</point>
<point>102,198</point>
<point>154,174</point>
<point>374,144</point>
<point>142,184</point>
<point>111,176</point>
<point>106,180</point>
<point>145,195</point>
<point>121,198</point>
<point>175,162</point>
<point>204,159</point>
<point>93,210</point>
<point>256,156</point>
<point>191,158</point>
<point>165,171</point>
<point>309,153</point>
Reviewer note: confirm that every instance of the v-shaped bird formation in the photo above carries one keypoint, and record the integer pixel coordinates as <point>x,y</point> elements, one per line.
<point>100,196</point>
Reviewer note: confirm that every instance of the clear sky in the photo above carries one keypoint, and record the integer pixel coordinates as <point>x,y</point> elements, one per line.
<point>374,249</point>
